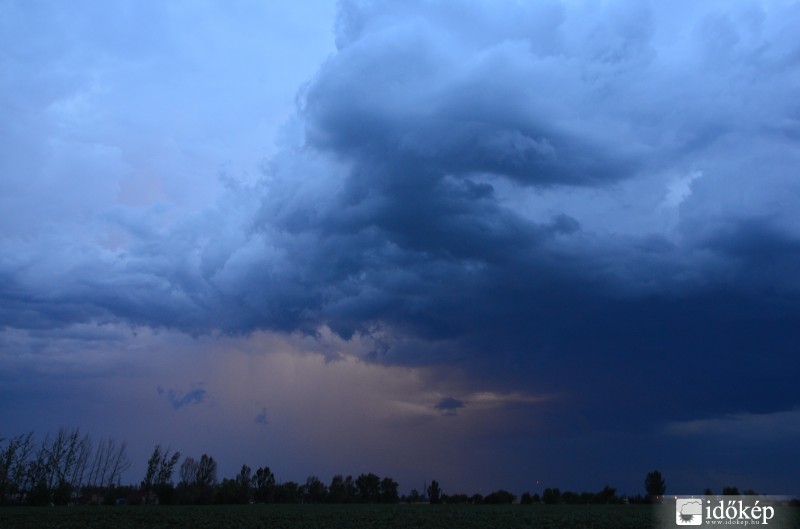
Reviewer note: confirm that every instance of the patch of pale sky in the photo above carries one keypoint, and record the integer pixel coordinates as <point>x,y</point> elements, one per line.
<point>679,189</point>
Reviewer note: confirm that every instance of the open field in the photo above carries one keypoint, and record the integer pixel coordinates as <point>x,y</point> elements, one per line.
<point>339,516</point>
<point>329,516</point>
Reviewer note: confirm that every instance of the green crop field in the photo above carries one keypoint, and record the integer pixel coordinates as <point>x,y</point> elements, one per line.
<point>338,516</point>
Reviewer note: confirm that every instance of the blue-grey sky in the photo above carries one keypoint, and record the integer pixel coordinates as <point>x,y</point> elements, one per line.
<point>484,242</point>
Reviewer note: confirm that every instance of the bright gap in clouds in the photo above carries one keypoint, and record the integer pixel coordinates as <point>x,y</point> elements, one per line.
<point>300,405</point>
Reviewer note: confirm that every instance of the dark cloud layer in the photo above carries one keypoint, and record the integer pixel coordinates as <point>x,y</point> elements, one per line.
<point>178,399</point>
<point>458,195</point>
<point>428,115</point>
<point>449,405</point>
<point>261,418</point>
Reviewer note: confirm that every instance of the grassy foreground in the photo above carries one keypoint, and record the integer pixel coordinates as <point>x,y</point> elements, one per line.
<point>331,516</point>
<point>345,517</point>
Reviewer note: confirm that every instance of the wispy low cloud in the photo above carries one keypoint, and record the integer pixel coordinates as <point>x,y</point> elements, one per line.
<point>178,400</point>
<point>491,399</point>
<point>483,401</point>
<point>261,418</point>
<point>449,405</point>
<point>752,426</point>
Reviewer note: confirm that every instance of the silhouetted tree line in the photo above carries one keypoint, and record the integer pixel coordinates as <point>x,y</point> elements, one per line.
<point>554,496</point>
<point>69,468</point>
<point>59,469</point>
<point>198,485</point>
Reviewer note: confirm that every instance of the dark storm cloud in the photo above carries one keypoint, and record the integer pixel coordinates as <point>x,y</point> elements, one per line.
<point>449,405</point>
<point>432,114</point>
<point>179,400</point>
<point>428,94</point>
<point>261,418</point>
<point>439,203</point>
